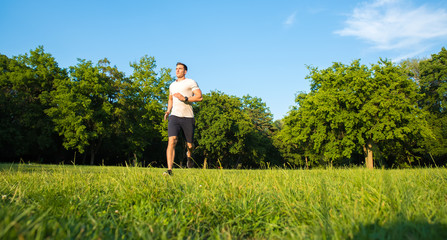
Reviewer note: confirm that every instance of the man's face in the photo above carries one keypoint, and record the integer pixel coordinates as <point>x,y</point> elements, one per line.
<point>180,71</point>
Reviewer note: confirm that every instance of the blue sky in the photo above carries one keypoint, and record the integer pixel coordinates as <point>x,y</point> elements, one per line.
<point>260,48</point>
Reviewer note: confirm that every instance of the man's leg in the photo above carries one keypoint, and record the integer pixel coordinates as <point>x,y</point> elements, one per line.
<point>173,130</point>
<point>188,129</point>
<point>170,151</point>
<point>190,160</point>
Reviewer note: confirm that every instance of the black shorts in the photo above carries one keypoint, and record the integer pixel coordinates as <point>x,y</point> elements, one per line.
<point>176,124</point>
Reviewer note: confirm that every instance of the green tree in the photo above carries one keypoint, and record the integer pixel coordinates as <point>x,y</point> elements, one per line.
<point>140,107</point>
<point>83,105</point>
<point>221,129</point>
<point>294,140</point>
<point>355,107</point>
<point>412,67</point>
<point>26,82</point>
<point>259,147</point>
<point>433,84</point>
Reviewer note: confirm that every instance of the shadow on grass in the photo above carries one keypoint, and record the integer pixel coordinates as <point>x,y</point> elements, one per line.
<point>403,230</point>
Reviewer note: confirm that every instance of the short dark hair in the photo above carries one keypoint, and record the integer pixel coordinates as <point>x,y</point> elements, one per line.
<point>179,63</point>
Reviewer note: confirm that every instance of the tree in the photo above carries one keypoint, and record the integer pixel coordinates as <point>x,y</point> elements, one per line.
<point>221,129</point>
<point>140,106</point>
<point>399,122</point>
<point>433,84</point>
<point>355,107</point>
<point>412,67</point>
<point>44,109</point>
<point>26,82</point>
<point>82,105</point>
<point>259,147</point>
<point>294,140</point>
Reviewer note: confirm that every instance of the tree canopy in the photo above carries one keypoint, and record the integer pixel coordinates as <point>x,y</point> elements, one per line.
<point>433,84</point>
<point>352,108</point>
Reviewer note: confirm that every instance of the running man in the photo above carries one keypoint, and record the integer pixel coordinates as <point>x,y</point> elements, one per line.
<point>182,92</point>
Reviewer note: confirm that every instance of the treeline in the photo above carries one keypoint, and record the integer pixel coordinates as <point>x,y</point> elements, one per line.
<point>385,114</point>
<point>92,113</point>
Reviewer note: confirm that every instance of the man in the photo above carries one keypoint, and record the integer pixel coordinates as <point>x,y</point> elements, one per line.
<point>182,93</point>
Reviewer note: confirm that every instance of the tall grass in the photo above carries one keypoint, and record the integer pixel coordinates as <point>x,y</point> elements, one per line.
<point>78,202</point>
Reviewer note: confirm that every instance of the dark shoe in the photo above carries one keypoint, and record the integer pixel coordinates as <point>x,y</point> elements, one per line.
<point>190,163</point>
<point>168,173</point>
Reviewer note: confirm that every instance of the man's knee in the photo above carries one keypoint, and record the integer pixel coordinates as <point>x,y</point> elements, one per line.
<point>172,142</point>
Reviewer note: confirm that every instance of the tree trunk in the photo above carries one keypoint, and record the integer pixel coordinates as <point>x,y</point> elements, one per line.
<point>204,163</point>
<point>307,165</point>
<point>92,156</point>
<point>94,149</point>
<point>135,159</point>
<point>84,158</point>
<point>408,159</point>
<point>369,155</point>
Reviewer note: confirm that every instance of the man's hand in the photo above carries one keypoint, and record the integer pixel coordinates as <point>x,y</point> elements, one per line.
<point>166,115</point>
<point>179,96</point>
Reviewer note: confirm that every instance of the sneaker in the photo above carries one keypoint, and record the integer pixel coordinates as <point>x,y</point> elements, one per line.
<point>168,173</point>
<point>190,163</point>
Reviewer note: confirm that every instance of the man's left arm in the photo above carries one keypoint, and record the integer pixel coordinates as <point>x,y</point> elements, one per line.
<point>196,96</point>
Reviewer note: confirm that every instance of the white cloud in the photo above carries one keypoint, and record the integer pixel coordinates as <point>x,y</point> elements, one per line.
<point>290,19</point>
<point>395,25</point>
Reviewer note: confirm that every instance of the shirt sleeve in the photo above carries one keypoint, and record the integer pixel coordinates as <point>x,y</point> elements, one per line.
<point>194,85</point>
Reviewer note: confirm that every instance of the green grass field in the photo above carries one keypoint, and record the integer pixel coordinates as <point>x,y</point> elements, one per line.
<point>80,202</point>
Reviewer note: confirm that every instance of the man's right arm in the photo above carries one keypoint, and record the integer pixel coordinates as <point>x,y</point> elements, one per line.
<point>168,111</point>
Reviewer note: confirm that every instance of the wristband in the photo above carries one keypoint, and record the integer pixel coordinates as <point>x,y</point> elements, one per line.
<point>186,99</point>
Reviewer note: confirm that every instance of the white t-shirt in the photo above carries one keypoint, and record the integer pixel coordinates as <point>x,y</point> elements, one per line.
<point>186,88</point>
